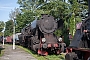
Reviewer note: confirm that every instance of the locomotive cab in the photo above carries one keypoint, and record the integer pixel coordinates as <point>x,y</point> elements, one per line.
<point>79,47</point>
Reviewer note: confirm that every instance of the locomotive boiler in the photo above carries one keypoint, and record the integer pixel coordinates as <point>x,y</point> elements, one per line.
<point>39,35</point>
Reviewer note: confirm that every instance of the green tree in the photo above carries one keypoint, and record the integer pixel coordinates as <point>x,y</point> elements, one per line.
<point>23,19</point>
<point>9,28</point>
<point>13,15</point>
<point>77,8</point>
<point>1,27</point>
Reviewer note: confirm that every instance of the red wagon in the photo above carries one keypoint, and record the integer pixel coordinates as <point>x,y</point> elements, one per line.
<point>8,39</point>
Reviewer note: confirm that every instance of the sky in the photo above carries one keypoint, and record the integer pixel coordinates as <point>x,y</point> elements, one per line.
<point>5,8</point>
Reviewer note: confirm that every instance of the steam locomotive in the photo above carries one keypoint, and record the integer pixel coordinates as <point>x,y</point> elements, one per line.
<point>79,48</point>
<point>39,35</point>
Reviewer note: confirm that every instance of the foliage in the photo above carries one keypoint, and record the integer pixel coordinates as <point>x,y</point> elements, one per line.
<point>1,33</point>
<point>9,28</point>
<point>23,19</point>
<point>31,5</point>
<point>76,16</point>
<point>10,23</point>
<point>1,26</point>
<point>58,32</point>
<point>56,8</point>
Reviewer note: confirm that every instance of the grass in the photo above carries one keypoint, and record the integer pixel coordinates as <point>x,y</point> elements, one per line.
<point>2,48</point>
<point>48,57</point>
<point>1,51</point>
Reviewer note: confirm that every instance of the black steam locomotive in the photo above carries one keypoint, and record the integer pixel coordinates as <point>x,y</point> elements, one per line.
<point>39,35</point>
<point>79,48</point>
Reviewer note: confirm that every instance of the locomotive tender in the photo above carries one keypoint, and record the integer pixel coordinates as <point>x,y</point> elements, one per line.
<point>39,35</point>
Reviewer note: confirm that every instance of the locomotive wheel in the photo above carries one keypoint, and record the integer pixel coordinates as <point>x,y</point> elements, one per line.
<point>28,44</point>
<point>58,52</point>
<point>71,56</point>
<point>43,53</point>
<point>31,44</point>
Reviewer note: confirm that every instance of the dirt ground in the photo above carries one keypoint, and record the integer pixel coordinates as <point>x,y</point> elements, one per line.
<point>17,54</point>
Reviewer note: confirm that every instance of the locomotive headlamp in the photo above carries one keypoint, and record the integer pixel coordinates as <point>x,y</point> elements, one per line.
<point>60,39</point>
<point>43,40</point>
